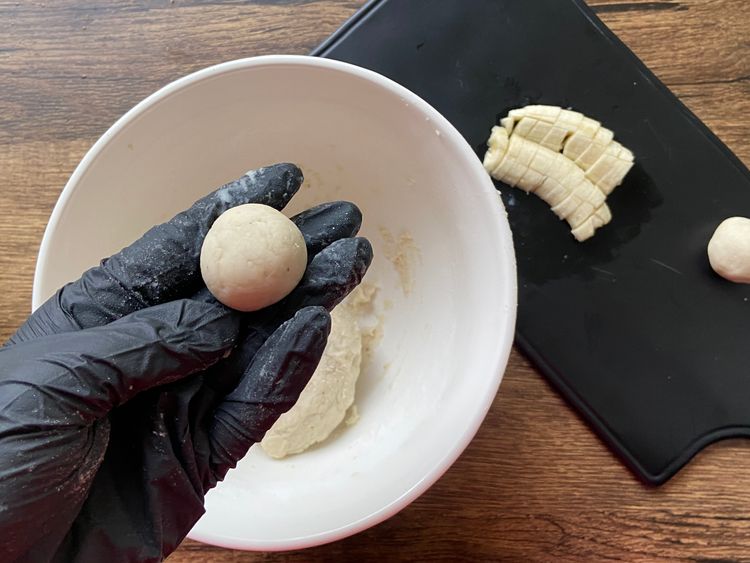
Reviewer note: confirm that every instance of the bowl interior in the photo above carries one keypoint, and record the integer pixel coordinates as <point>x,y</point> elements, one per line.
<point>446,299</point>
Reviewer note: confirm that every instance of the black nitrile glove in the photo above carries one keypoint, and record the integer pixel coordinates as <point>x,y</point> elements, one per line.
<point>132,392</point>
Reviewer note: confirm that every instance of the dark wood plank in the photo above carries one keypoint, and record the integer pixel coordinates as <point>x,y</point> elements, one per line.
<point>535,485</point>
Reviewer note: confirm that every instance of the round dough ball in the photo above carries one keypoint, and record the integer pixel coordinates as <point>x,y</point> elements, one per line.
<point>252,257</point>
<point>729,249</point>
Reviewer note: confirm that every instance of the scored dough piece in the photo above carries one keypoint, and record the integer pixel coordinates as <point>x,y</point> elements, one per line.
<point>610,169</point>
<point>580,215</point>
<point>555,138</point>
<point>538,112</point>
<point>567,206</point>
<point>596,148</point>
<point>567,159</point>
<point>497,146</point>
<point>560,130</point>
<point>549,126</point>
<point>512,167</point>
<point>538,132</point>
<point>523,156</point>
<point>584,148</point>
<point>598,219</point>
<point>592,194</point>
<point>589,127</point>
<point>524,126</point>
<point>545,161</point>
<point>504,168</point>
<point>552,191</point>
<point>513,164</point>
<point>531,180</point>
<point>598,169</point>
<point>603,214</point>
<point>576,144</point>
<point>585,230</point>
<point>570,120</point>
<point>615,175</point>
<point>549,175</point>
<point>507,123</point>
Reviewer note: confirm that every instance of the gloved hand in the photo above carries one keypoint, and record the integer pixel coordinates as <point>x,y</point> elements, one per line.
<point>132,392</point>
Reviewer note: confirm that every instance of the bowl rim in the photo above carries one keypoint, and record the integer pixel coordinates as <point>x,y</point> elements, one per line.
<point>505,251</point>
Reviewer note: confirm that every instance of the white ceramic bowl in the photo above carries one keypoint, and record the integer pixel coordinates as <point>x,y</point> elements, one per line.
<point>357,136</point>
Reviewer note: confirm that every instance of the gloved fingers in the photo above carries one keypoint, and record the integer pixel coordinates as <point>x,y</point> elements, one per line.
<point>160,266</point>
<point>323,224</point>
<point>268,388</point>
<point>164,264</point>
<point>44,479</point>
<point>333,273</point>
<point>75,378</point>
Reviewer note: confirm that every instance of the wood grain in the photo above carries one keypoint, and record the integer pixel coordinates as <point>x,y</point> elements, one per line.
<point>535,484</point>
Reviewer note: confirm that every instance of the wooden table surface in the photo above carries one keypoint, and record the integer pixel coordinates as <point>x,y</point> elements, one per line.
<point>535,484</point>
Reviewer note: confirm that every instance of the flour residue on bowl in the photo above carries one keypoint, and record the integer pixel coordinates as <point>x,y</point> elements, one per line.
<point>326,185</point>
<point>402,253</point>
<point>327,402</point>
<point>312,179</point>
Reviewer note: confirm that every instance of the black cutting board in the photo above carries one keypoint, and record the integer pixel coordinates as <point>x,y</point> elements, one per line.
<point>632,326</point>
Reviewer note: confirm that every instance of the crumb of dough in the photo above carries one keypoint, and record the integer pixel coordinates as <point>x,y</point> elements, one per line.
<point>402,252</point>
<point>328,398</point>
<point>371,337</point>
<point>372,332</point>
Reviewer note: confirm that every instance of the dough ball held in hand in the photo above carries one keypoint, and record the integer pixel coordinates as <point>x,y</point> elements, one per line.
<point>729,249</point>
<point>252,257</point>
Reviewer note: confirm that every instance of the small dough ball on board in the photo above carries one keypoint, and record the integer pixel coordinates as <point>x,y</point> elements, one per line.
<point>252,257</point>
<point>729,249</point>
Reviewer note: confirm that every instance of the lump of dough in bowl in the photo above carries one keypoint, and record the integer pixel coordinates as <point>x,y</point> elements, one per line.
<point>252,257</point>
<point>330,392</point>
<point>729,249</point>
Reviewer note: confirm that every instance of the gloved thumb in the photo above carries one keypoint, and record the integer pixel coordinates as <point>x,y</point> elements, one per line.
<point>78,377</point>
